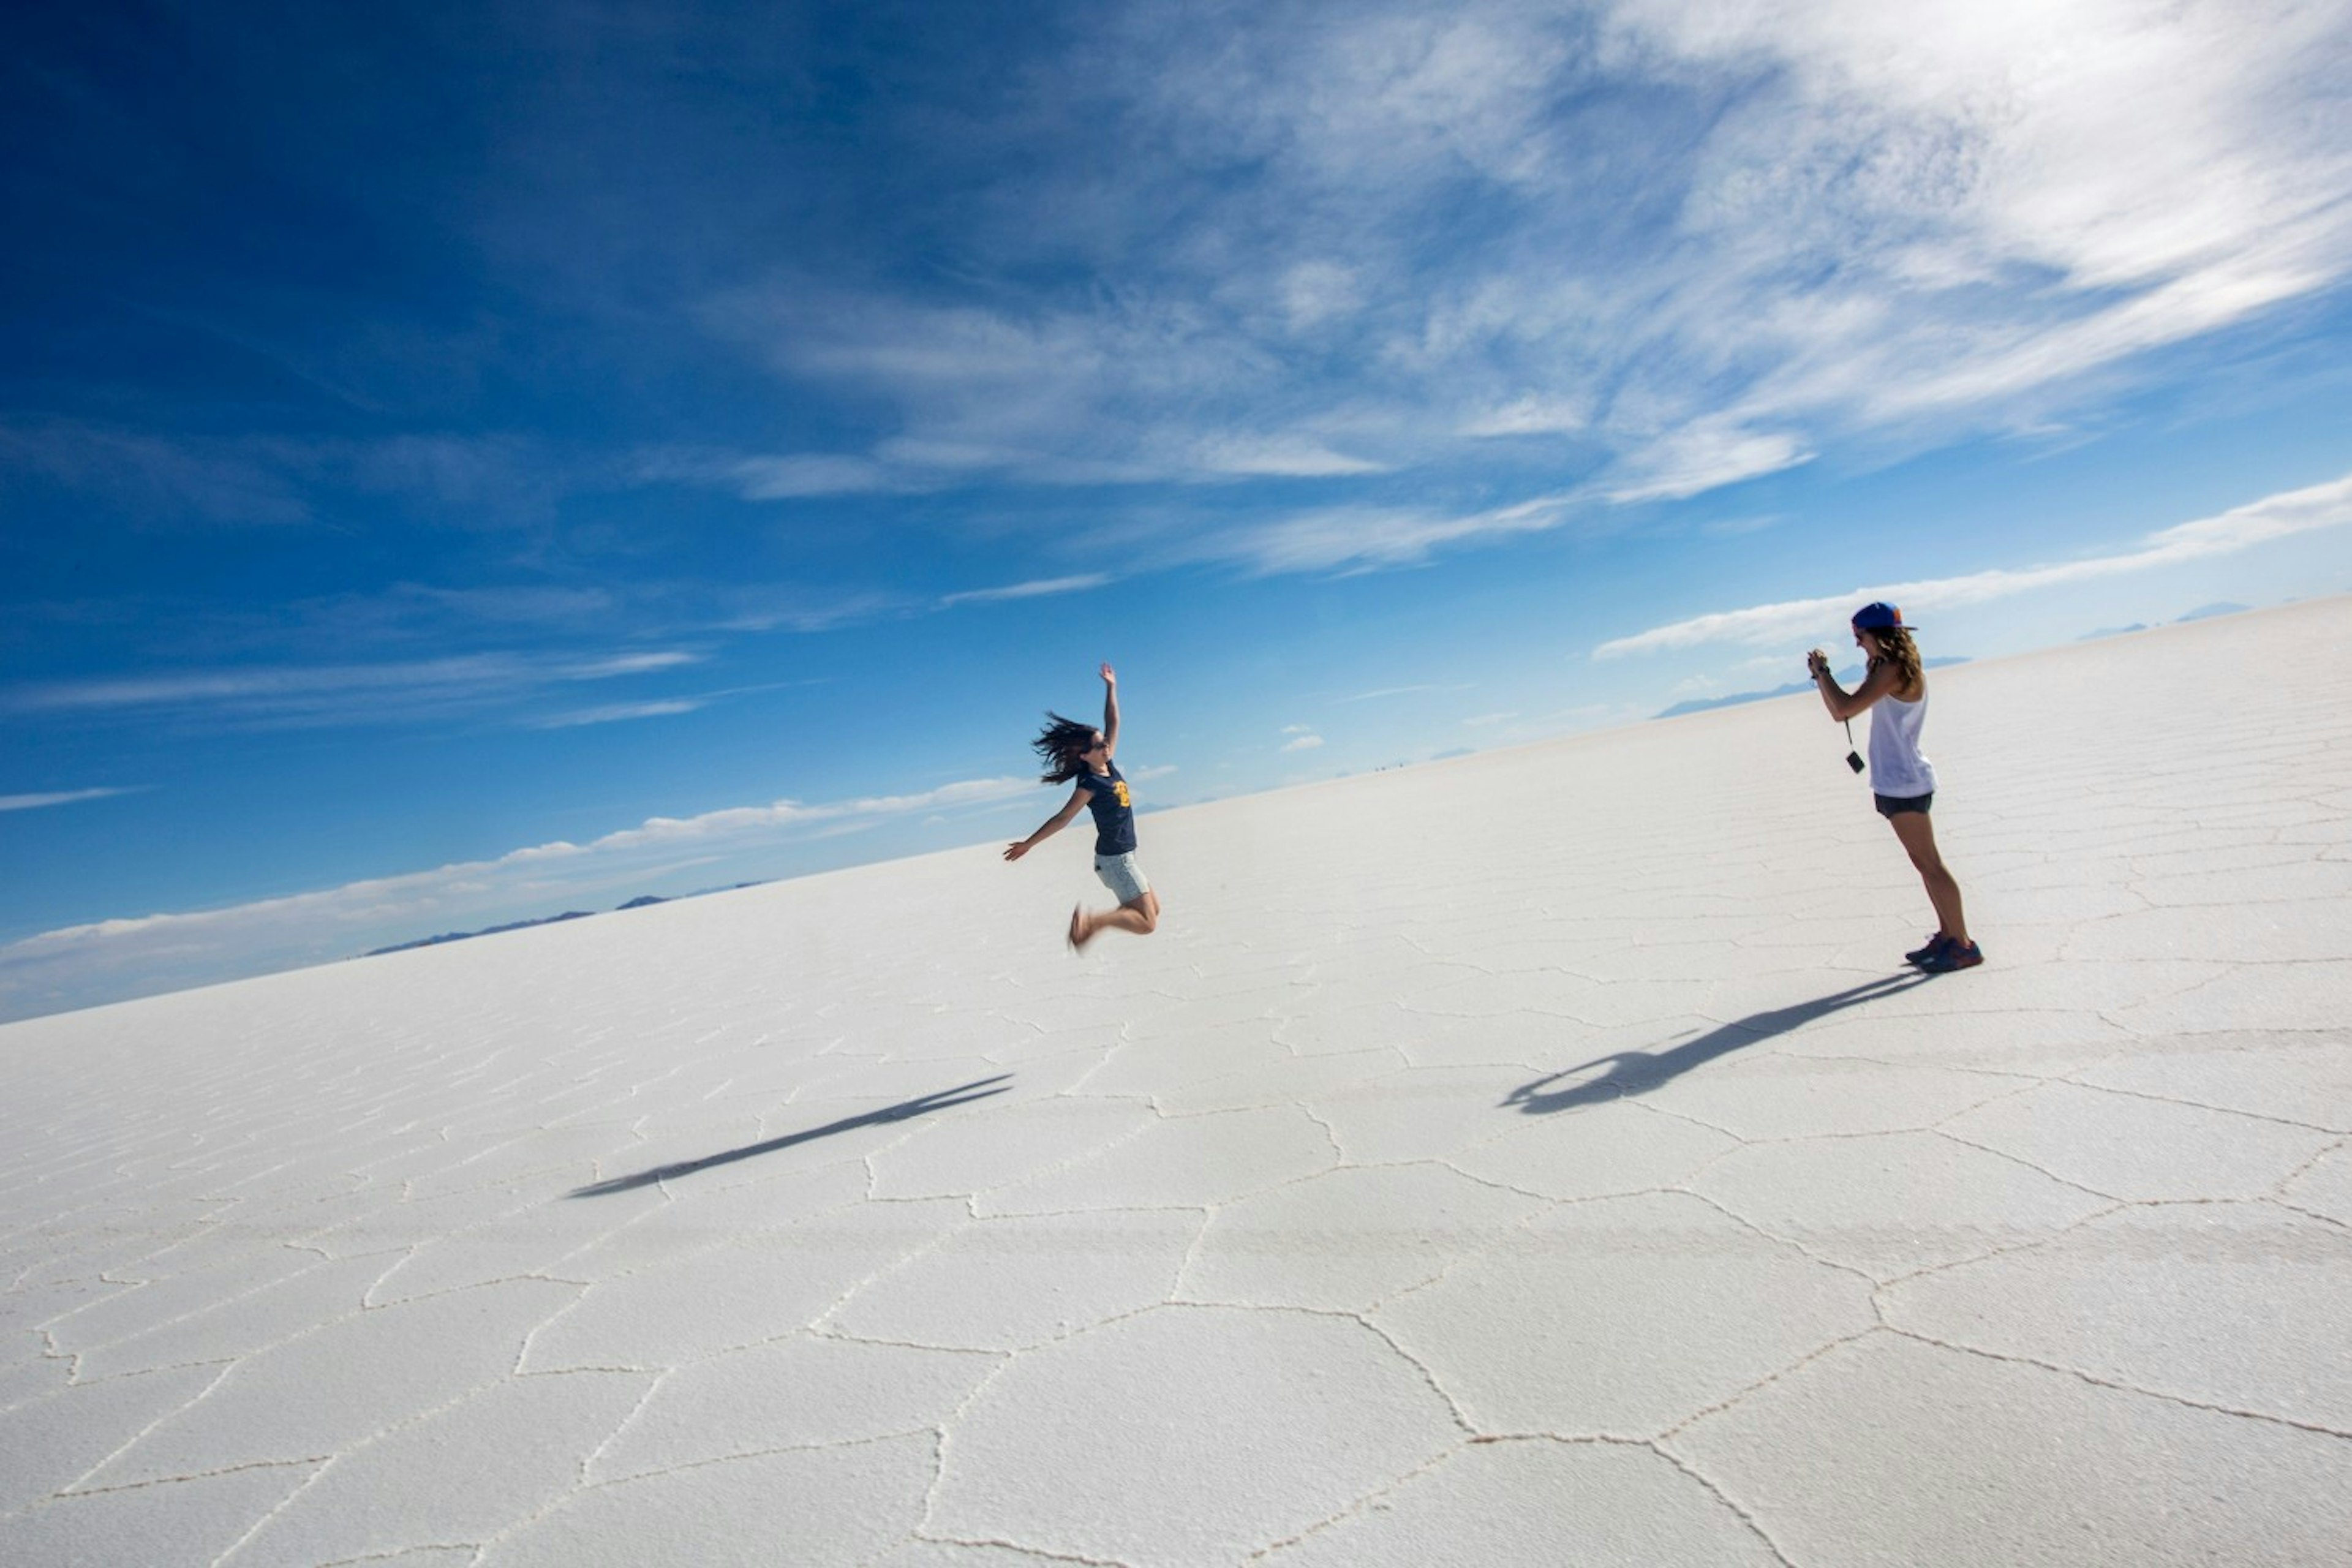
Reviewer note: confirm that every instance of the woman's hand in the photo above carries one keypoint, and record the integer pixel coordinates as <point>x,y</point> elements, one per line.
<point>1109,675</point>
<point>1014,851</point>
<point>1816,663</point>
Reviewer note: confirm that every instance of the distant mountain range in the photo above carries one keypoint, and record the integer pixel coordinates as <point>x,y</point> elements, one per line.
<point>1845,678</point>
<point>2202,612</point>
<point>639,902</point>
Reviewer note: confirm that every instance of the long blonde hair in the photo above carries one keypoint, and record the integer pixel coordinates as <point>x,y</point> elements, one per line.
<point>1895,645</point>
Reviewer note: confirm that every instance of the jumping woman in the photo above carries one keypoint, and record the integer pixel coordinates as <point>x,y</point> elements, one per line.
<point>1081,754</point>
<point>1893,690</point>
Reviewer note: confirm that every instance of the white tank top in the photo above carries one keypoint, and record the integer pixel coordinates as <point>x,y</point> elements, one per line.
<point>1897,766</point>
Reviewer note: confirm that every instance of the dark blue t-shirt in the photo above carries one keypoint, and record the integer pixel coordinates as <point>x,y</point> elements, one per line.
<point>1114,809</point>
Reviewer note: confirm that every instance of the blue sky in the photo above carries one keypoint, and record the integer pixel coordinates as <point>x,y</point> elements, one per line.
<point>467,462</point>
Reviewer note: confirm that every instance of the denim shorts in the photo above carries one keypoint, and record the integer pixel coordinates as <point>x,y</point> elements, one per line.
<point>1123,875</point>
<point>1897,805</point>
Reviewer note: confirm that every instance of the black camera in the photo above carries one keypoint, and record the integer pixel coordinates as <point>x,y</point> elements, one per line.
<point>1854,761</point>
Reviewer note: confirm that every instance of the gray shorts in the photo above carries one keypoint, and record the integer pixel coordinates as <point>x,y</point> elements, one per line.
<point>1123,875</point>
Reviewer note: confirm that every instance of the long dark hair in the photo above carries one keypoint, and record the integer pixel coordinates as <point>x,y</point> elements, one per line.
<point>1062,745</point>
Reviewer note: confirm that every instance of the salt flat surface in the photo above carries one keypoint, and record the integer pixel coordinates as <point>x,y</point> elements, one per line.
<point>1539,1157</point>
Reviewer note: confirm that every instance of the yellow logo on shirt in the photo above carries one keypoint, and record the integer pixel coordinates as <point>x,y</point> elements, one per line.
<point>1120,789</point>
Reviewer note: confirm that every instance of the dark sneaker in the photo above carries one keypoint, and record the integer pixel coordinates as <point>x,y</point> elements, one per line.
<point>1953,957</point>
<point>1935,944</point>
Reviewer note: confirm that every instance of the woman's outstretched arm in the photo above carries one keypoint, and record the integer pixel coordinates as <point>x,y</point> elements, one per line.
<point>1111,710</point>
<point>1050,826</point>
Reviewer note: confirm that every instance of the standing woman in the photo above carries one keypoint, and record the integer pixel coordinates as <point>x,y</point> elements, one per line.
<point>1895,690</point>
<point>1081,754</point>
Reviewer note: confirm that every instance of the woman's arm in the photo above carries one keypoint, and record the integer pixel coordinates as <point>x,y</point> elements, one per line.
<point>1050,826</point>
<point>1876,682</point>
<point>1111,710</point>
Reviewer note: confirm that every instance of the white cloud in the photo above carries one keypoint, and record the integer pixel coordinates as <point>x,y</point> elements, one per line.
<point>58,797</point>
<point>767,609</point>
<point>1361,538</point>
<point>2240,528</point>
<point>1302,743</point>
<point>1296,456</point>
<point>1400,691</point>
<point>486,480</point>
<point>1731,527</point>
<point>1315,292</point>
<point>162,690</point>
<point>780,478</point>
<point>788,476</point>
<point>1414,241</point>
<point>230,483</point>
<point>2003,196</point>
<point>339,694</point>
<point>619,712</point>
<point>1704,456</point>
<point>1035,588</point>
<point>1534,413</point>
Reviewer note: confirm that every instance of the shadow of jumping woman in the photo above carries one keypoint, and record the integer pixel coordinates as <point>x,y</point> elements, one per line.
<point>1638,1072</point>
<point>921,1105</point>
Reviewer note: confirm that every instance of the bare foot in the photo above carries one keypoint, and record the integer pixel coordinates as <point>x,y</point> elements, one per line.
<point>1082,930</point>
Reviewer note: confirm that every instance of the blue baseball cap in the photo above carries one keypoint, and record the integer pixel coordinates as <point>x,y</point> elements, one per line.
<point>1879,615</point>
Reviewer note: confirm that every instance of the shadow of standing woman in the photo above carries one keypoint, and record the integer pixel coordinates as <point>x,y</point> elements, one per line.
<point>1638,1072</point>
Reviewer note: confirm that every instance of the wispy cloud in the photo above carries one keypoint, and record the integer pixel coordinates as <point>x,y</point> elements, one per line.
<point>1036,588</point>
<point>1355,538</point>
<point>1418,242</point>
<point>773,477</point>
<point>1297,457</point>
<point>157,478</point>
<point>1400,691</point>
<point>1704,455</point>
<point>59,797</point>
<point>479,481</point>
<point>620,712</point>
<point>1302,743</point>
<point>2240,528</point>
<point>785,607</point>
<point>395,691</point>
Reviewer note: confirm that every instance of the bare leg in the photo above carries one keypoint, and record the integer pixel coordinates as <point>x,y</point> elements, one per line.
<point>1141,916</point>
<point>1918,838</point>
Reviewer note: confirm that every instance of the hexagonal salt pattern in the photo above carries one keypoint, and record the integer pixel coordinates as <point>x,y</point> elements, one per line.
<point>1580,1182</point>
<point>1620,1317</point>
<point>1601,1502</point>
<point>1889,1450</point>
<point>1893,1204</point>
<point>1346,1239</point>
<point>1187,1435</point>
<point>2255,1293</point>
